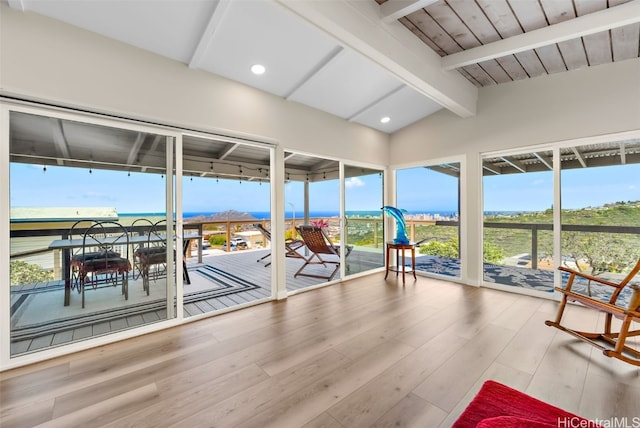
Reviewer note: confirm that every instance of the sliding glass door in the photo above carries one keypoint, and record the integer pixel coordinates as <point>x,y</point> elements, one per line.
<point>518,220</point>
<point>598,201</point>
<point>85,196</point>
<point>226,197</point>
<point>600,188</point>
<point>312,199</point>
<point>430,195</point>
<point>363,237</point>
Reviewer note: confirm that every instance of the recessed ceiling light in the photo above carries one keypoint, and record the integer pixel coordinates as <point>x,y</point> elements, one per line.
<point>385,119</point>
<point>258,69</point>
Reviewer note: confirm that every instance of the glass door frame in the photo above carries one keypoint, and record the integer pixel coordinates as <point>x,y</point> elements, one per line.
<point>343,217</point>
<point>463,207</point>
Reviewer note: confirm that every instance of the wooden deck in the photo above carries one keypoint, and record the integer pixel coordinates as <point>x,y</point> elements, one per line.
<point>221,282</point>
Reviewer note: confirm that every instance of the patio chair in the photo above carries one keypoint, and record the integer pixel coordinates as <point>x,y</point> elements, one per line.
<point>98,261</point>
<point>152,257</point>
<point>291,245</point>
<point>612,342</point>
<point>139,227</point>
<point>78,254</point>
<point>319,244</point>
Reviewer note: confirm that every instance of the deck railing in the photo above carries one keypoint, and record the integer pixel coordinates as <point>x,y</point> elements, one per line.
<point>228,227</point>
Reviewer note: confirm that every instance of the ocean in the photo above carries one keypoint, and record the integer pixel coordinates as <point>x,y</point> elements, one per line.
<point>261,215</point>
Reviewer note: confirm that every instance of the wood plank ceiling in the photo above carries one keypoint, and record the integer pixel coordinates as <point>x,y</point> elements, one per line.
<point>451,26</point>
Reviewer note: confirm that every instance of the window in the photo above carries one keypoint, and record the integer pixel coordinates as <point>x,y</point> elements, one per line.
<point>431,197</point>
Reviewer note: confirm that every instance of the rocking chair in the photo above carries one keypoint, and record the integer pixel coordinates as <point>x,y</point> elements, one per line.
<point>612,343</point>
<point>319,243</point>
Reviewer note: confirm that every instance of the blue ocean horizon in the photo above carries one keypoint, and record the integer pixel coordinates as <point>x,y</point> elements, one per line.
<point>262,215</point>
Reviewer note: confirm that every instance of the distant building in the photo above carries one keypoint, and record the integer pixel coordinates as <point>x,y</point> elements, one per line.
<point>21,218</point>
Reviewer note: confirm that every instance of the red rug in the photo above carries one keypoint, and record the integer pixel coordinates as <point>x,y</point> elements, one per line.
<point>498,406</point>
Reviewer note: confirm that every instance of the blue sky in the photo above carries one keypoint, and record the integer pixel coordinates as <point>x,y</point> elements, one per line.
<point>581,188</point>
<point>31,186</point>
<point>420,189</point>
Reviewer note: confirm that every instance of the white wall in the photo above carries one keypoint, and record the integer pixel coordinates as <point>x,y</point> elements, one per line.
<point>583,103</point>
<point>47,60</point>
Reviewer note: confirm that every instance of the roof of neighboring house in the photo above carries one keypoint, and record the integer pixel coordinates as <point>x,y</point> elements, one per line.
<point>61,214</point>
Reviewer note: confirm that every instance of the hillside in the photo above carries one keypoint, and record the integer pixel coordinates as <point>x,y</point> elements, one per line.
<point>222,216</point>
<point>619,214</point>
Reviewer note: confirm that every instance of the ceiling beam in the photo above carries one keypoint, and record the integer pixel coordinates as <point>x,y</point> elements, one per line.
<point>135,149</point>
<point>366,108</point>
<point>154,146</point>
<point>579,157</point>
<point>517,165</point>
<point>17,5</point>
<point>208,34</point>
<point>228,151</point>
<point>491,170</point>
<point>323,164</point>
<point>544,161</point>
<point>358,26</point>
<point>393,10</point>
<point>323,63</point>
<point>59,139</point>
<point>606,19</point>
<point>445,169</point>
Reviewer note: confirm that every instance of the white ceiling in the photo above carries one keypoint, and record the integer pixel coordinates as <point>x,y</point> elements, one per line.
<point>303,64</point>
<point>362,60</point>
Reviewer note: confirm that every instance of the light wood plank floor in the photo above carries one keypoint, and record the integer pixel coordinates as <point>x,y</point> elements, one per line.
<point>363,353</point>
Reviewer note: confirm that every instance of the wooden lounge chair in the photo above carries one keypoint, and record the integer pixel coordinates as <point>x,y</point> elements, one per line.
<point>291,245</point>
<point>612,343</point>
<point>319,244</point>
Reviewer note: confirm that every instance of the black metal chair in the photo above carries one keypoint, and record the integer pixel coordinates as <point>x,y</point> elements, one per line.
<point>78,254</point>
<point>98,262</point>
<point>139,227</point>
<point>152,257</point>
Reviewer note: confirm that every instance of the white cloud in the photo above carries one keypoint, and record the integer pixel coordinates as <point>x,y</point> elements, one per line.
<point>353,182</point>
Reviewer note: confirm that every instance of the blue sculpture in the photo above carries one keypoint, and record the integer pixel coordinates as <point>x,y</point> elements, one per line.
<point>401,225</point>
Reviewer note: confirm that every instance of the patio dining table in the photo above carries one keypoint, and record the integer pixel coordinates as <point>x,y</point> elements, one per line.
<point>66,245</point>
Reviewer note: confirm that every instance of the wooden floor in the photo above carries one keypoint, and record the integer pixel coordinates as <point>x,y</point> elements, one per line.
<point>358,354</point>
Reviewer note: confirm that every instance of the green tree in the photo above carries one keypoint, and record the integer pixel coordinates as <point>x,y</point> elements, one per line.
<point>217,240</point>
<point>492,253</point>
<point>448,248</point>
<point>600,252</point>
<point>28,273</point>
<point>451,249</point>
